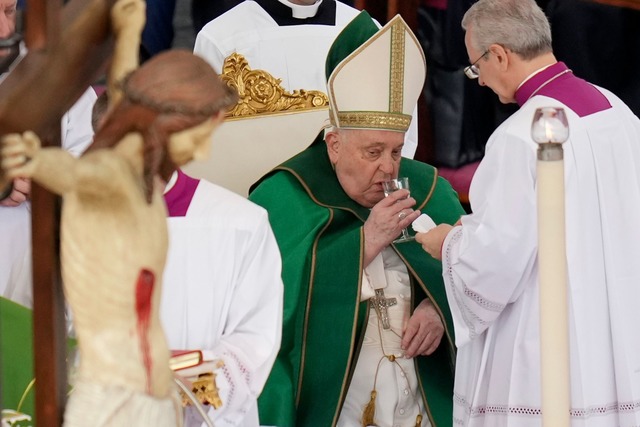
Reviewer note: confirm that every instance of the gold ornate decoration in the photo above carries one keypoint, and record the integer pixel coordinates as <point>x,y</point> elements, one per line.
<point>261,93</point>
<point>205,389</point>
<point>396,91</point>
<point>374,120</point>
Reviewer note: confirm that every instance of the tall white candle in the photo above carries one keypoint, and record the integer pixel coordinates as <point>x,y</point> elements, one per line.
<point>554,326</point>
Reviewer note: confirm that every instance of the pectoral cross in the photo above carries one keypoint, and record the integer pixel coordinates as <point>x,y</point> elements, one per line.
<point>380,304</point>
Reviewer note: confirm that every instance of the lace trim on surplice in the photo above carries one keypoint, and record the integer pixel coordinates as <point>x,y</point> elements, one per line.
<point>581,413</point>
<point>469,316</point>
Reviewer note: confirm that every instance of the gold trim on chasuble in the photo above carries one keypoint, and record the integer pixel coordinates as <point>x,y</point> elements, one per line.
<point>414,277</point>
<point>312,273</point>
<point>421,389</point>
<point>306,317</point>
<point>350,365</point>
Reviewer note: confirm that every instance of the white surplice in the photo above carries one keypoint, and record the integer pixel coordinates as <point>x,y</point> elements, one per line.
<point>296,54</point>
<point>222,292</point>
<point>491,275</point>
<point>398,399</point>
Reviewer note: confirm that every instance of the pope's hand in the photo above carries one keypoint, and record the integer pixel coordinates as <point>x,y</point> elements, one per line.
<point>423,332</point>
<point>387,219</point>
<point>18,152</point>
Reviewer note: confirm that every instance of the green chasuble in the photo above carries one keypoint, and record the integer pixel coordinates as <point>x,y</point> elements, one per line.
<point>16,358</point>
<point>319,230</point>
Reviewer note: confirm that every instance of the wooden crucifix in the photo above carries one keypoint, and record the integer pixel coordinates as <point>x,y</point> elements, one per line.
<point>68,49</point>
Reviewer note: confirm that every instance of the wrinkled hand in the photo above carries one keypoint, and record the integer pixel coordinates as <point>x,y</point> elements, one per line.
<point>19,193</point>
<point>432,240</point>
<point>128,16</point>
<point>17,154</point>
<point>423,332</point>
<point>387,219</point>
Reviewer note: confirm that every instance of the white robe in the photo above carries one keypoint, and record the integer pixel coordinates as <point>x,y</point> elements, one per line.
<point>222,292</point>
<point>491,274</point>
<point>398,399</point>
<point>15,222</point>
<point>296,54</point>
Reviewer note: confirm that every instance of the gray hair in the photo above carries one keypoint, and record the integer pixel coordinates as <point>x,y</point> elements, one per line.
<point>343,132</point>
<point>518,25</point>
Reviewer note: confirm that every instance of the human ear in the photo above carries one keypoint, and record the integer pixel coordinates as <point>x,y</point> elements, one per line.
<point>332,140</point>
<point>501,54</point>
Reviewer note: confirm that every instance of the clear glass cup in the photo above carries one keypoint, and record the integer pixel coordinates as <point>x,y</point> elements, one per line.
<point>394,185</point>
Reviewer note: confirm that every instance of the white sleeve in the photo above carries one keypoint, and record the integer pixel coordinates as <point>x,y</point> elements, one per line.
<point>411,137</point>
<point>77,132</point>
<point>15,254</point>
<point>251,337</point>
<point>488,262</point>
<point>206,48</point>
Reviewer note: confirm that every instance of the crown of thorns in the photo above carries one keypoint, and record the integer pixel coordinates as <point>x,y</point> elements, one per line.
<point>136,97</point>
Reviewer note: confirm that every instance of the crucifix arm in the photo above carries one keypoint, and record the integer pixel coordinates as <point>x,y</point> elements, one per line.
<point>60,172</point>
<point>22,157</point>
<point>54,170</point>
<point>127,18</point>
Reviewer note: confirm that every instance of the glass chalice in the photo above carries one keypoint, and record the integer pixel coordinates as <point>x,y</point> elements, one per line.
<point>389,187</point>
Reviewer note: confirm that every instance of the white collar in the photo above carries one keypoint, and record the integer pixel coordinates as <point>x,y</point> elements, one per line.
<point>302,11</point>
<point>533,74</point>
<point>172,182</point>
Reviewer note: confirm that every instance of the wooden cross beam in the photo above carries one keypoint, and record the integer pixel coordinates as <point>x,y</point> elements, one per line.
<point>47,82</point>
<point>69,48</point>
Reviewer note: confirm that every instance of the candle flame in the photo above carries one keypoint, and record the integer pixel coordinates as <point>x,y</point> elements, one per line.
<point>548,131</point>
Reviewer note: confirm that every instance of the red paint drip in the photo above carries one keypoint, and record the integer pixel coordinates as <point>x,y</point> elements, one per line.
<point>144,291</point>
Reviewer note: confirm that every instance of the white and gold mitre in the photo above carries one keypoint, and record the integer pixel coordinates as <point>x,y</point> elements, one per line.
<point>375,76</point>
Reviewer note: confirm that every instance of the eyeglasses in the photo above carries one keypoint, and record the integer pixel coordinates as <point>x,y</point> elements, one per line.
<point>472,70</point>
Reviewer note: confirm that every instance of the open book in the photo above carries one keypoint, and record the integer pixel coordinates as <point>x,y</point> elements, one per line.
<point>191,363</point>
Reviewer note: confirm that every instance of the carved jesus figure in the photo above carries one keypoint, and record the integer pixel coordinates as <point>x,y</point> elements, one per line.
<point>113,226</point>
